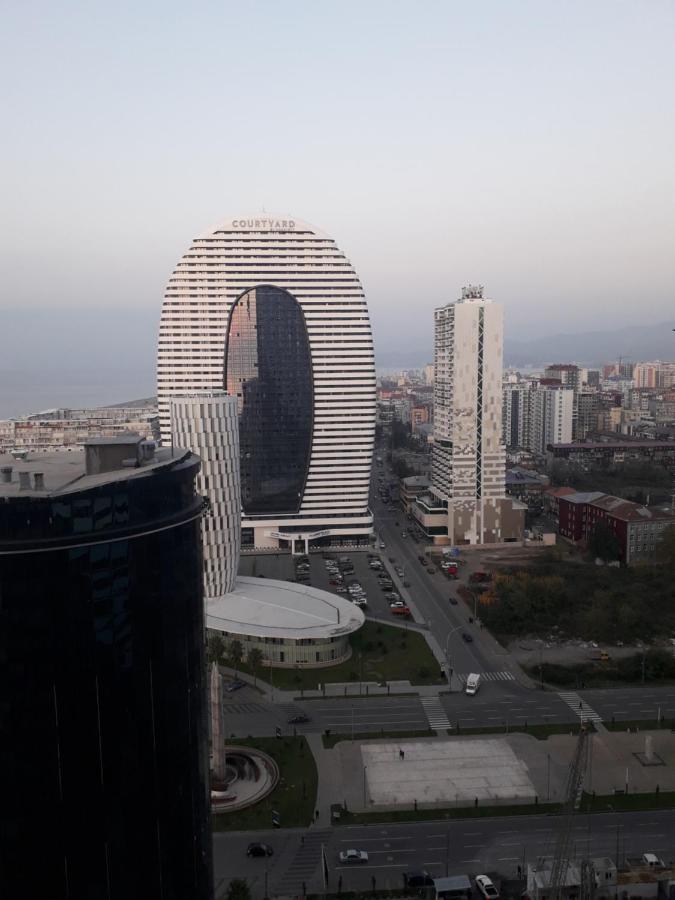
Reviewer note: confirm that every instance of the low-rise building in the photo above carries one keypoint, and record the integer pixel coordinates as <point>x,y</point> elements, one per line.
<point>613,453</point>
<point>573,514</point>
<point>291,624</point>
<point>525,484</point>
<point>69,429</point>
<point>551,497</point>
<point>638,529</point>
<point>411,488</point>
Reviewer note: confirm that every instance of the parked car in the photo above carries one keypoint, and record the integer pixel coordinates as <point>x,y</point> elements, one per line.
<point>258,849</point>
<point>382,545</point>
<point>353,856</point>
<point>486,886</point>
<point>299,719</point>
<point>400,610</point>
<point>478,577</point>
<point>399,571</point>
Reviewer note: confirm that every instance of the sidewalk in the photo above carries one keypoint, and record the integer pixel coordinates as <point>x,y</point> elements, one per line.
<point>345,689</point>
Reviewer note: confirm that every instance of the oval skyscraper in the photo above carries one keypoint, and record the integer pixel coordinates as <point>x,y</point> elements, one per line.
<point>270,310</point>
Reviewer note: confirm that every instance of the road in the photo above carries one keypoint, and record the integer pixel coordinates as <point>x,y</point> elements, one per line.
<point>431,595</point>
<point>495,704</point>
<point>496,846</point>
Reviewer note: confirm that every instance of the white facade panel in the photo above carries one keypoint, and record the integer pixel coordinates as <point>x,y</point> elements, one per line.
<point>208,425</point>
<point>468,456</point>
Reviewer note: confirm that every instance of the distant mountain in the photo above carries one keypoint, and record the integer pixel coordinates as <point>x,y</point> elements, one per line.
<point>592,348</point>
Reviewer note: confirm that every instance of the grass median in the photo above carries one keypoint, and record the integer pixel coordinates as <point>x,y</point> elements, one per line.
<point>379,653</point>
<point>330,740</point>
<point>541,732</point>
<point>590,803</point>
<point>640,725</point>
<point>293,798</point>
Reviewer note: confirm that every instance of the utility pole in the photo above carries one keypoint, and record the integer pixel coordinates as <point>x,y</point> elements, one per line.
<point>575,780</point>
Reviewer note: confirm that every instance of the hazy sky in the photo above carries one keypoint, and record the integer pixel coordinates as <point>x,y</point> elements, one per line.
<point>529,146</point>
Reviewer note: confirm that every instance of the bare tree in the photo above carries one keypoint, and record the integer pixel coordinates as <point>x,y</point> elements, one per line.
<point>255,660</point>
<point>235,652</point>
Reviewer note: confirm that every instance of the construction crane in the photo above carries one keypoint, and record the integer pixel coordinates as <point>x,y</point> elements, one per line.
<point>573,790</point>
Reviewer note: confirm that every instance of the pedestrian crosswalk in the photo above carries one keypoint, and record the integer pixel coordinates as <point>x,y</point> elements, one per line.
<point>435,713</point>
<point>580,707</point>
<point>487,676</point>
<point>242,707</point>
<point>300,875</point>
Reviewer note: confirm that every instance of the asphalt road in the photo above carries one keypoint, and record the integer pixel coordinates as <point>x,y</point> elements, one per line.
<point>494,846</point>
<point>495,704</point>
<point>431,595</point>
<point>632,702</point>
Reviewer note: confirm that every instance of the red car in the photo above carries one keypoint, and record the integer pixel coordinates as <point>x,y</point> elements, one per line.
<point>400,610</point>
<point>478,577</point>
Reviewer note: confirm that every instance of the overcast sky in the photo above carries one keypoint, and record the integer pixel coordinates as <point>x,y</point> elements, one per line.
<point>528,146</point>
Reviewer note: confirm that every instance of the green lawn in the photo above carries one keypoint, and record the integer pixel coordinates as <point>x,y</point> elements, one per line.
<point>640,725</point>
<point>627,802</point>
<point>379,653</point>
<point>295,795</point>
<point>332,739</point>
<point>541,732</point>
<point>458,812</point>
<point>590,804</point>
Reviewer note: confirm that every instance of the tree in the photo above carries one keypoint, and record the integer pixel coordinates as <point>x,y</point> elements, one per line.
<point>216,647</point>
<point>255,660</point>
<point>238,889</point>
<point>235,653</point>
<point>603,543</point>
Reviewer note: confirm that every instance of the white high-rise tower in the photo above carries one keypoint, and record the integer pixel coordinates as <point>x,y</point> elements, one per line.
<point>208,424</point>
<point>468,462</point>
<point>270,310</point>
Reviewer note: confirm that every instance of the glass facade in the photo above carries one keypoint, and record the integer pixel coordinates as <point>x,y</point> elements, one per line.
<point>268,368</point>
<point>103,727</point>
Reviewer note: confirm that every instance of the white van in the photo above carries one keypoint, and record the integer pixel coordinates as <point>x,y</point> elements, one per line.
<point>472,684</point>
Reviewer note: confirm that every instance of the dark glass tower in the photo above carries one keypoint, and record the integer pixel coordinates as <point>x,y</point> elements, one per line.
<point>268,369</point>
<point>103,728</point>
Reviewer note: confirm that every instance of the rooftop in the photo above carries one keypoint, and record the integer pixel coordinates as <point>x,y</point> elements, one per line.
<point>417,481</point>
<point>560,491</point>
<point>584,497</point>
<point>64,471</point>
<point>632,512</point>
<point>265,607</point>
<point>615,445</point>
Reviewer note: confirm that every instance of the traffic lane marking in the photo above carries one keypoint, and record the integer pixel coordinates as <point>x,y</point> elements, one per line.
<point>361,868</point>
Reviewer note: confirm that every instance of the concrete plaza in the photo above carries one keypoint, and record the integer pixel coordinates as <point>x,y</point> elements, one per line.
<point>444,772</point>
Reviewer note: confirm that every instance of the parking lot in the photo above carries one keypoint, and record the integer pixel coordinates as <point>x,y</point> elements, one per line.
<point>287,568</point>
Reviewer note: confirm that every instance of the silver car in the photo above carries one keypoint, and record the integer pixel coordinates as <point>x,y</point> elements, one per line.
<point>353,856</point>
